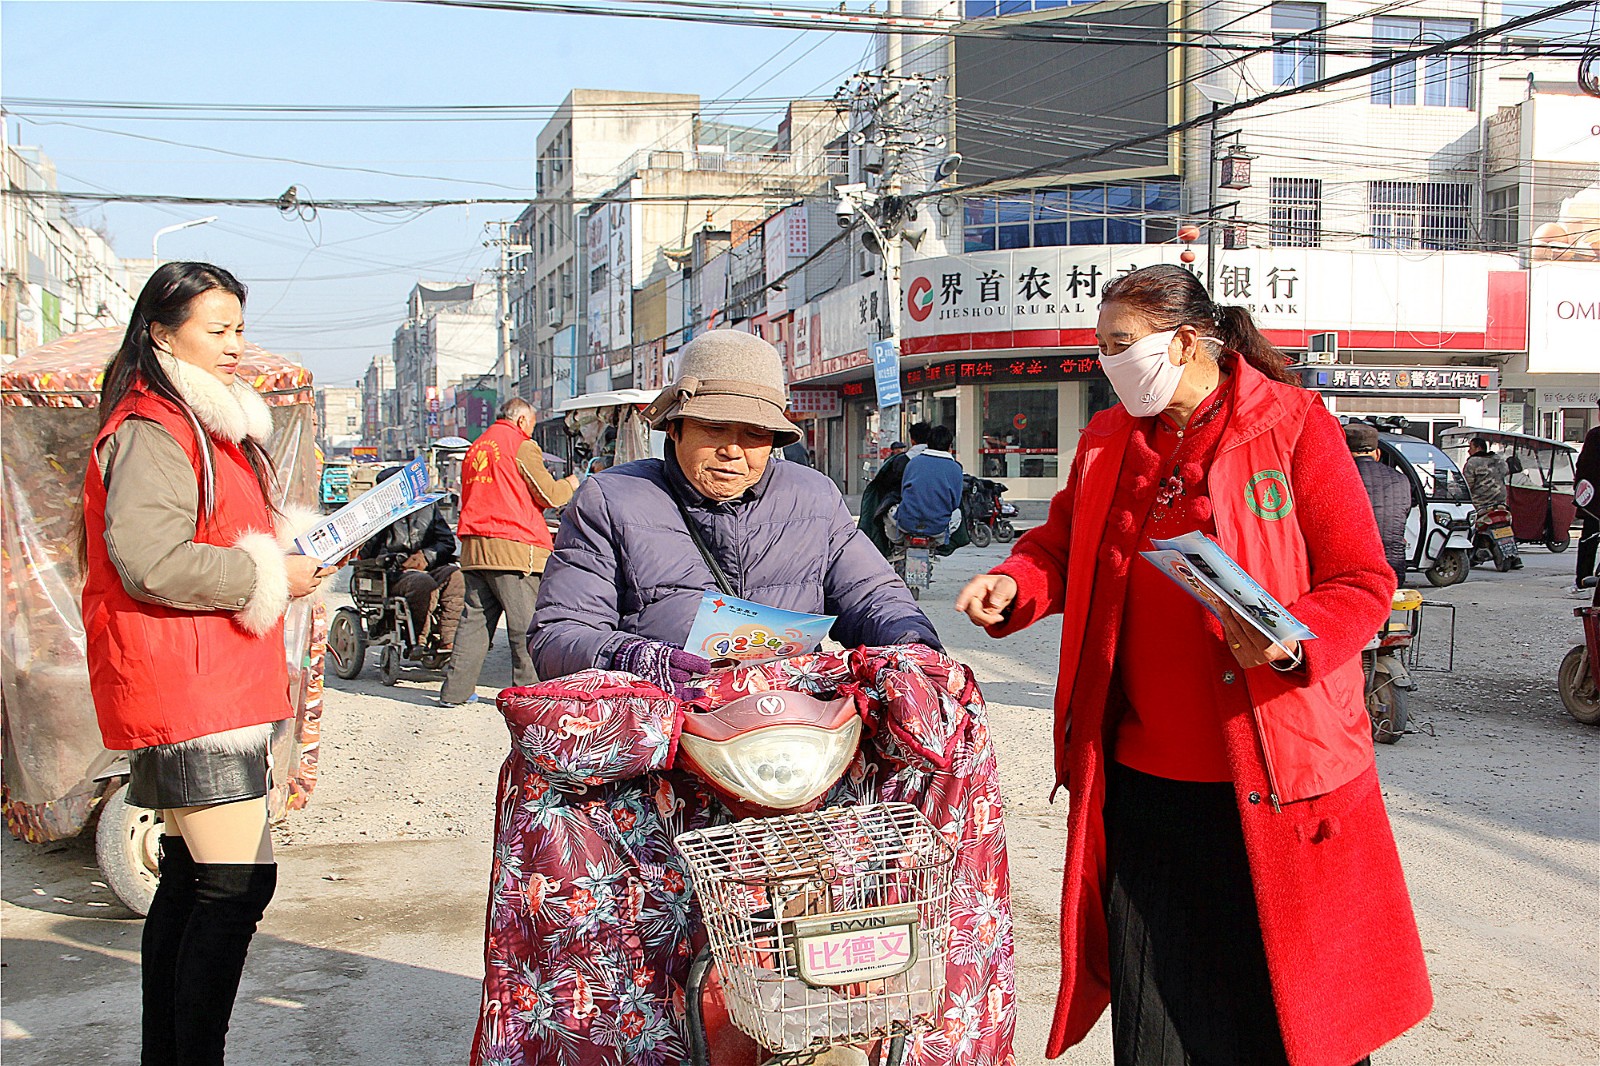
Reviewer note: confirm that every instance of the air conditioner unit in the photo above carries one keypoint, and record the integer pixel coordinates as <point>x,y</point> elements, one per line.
<point>552,317</point>
<point>1322,348</point>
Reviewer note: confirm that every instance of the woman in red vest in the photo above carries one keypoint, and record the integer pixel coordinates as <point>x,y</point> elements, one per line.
<point>1232,888</point>
<point>185,587</point>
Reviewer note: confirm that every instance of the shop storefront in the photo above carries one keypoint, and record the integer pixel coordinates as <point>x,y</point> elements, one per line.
<point>1005,340</point>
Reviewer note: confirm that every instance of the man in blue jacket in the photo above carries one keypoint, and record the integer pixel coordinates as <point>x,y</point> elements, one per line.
<point>930,492</point>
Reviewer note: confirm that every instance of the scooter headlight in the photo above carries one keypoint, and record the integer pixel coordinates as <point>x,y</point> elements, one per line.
<point>781,767</point>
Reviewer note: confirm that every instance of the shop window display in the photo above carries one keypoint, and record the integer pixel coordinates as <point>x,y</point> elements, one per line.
<point>1019,431</point>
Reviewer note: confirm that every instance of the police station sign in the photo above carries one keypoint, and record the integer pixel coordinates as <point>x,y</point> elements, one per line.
<point>1408,380</point>
<point>1049,297</point>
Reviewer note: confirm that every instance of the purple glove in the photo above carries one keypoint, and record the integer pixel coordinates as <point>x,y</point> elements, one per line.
<point>668,668</point>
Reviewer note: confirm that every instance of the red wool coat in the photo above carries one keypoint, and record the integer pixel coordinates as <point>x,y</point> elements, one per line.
<point>1343,954</point>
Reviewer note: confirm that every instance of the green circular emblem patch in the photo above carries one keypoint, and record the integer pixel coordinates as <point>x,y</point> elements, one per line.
<point>1267,494</point>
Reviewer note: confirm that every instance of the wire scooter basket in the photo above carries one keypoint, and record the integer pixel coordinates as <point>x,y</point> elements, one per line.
<point>828,928</point>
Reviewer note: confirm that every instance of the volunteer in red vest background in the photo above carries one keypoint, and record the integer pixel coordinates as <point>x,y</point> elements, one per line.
<point>1232,888</point>
<point>185,588</point>
<point>505,489</point>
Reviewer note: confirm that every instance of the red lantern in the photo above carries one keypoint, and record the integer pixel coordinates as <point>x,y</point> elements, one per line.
<point>1188,232</point>
<point>1187,255</point>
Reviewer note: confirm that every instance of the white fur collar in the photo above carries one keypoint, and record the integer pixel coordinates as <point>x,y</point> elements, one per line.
<point>230,412</point>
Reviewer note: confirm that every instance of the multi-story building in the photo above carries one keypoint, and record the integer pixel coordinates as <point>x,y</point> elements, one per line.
<point>1354,214</point>
<point>56,276</point>
<point>624,152</point>
<point>1543,201</point>
<point>340,411</point>
<point>448,337</point>
<point>380,427</point>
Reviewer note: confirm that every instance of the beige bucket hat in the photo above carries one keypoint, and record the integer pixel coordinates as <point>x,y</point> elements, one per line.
<point>731,377</point>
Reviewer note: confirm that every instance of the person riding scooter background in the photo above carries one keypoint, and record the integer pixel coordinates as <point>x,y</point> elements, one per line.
<point>930,492</point>
<point>883,491</point>
<point>1387,490</point>
<point>423,549</point>
<point>1486,476</point>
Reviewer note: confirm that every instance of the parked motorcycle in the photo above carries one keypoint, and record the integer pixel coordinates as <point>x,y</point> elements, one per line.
<point>1579,676</point>
<point>826,928</point>
<point>1494,541</point>
<point>1384,661</point>
<point>986,513</point>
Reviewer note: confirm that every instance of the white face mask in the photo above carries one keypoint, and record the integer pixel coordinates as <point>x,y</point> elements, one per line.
<point>1145,379</point>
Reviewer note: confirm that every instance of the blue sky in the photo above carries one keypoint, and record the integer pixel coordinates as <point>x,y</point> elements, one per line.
<point>332,289</point>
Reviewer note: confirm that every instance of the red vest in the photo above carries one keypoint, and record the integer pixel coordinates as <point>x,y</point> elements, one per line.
<point>159,674</point>
<point>495,501</point>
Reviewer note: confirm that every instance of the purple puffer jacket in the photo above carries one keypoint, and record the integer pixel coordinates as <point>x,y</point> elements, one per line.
<point>624,564</point>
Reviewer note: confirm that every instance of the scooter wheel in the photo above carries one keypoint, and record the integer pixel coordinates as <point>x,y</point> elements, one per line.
<point>1579,693</point>
<point>1558,544</point>
<point>1004,531</point>
<point>980,534</point>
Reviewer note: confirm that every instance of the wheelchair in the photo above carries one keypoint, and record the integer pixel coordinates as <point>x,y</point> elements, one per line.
<point>381,618</point>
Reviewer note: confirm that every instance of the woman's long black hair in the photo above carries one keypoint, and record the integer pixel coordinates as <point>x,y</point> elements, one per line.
<point>167,298</point>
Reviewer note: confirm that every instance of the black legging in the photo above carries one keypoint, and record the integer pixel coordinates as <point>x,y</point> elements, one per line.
<point>1588,545</point>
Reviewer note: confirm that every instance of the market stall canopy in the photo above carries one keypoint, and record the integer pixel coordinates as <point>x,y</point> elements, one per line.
<point>53,749</point>
<point>67,372</point>
<point>613,398</point>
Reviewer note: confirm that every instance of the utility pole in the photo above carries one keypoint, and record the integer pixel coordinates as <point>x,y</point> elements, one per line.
<point>899,112</point>
<point>507,248</point>
<point>1211,203</point>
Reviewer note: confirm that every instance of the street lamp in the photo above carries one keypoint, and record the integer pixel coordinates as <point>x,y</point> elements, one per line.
<point>156,240</point>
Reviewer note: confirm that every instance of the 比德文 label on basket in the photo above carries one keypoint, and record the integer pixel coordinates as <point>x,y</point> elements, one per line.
<point>868,945</point>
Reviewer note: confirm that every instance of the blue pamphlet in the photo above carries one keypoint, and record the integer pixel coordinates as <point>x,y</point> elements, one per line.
<point>1202,569</point>
<point>351,525</point>
<point>727,627</point>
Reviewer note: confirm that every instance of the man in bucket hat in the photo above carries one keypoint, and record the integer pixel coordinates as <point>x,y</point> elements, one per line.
<point>641,543</point>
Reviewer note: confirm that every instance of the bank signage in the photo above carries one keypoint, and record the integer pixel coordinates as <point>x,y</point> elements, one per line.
<point>1050,297</point>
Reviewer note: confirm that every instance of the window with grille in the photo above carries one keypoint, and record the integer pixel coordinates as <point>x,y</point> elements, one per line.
<point>1296,212</point>
<point>1503,205</point>
<point>1297,55</point>
<point>1443,80</point>
<point>1435,215</point>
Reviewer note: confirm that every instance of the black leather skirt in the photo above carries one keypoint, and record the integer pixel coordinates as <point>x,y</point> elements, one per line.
<point>200,772</point>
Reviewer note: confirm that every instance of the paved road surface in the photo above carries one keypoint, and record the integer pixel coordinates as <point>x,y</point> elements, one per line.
<point>371,952</point>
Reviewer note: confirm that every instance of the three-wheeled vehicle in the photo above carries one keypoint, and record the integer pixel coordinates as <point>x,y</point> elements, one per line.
<point>1439,525</point>
<point>447,453</point>
<point>607,429</point>
<point>1539,485</point>
<point>56,777</point>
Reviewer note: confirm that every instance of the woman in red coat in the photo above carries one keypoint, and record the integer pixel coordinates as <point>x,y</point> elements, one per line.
<point>1232,888</point>
<point>185,586</point>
